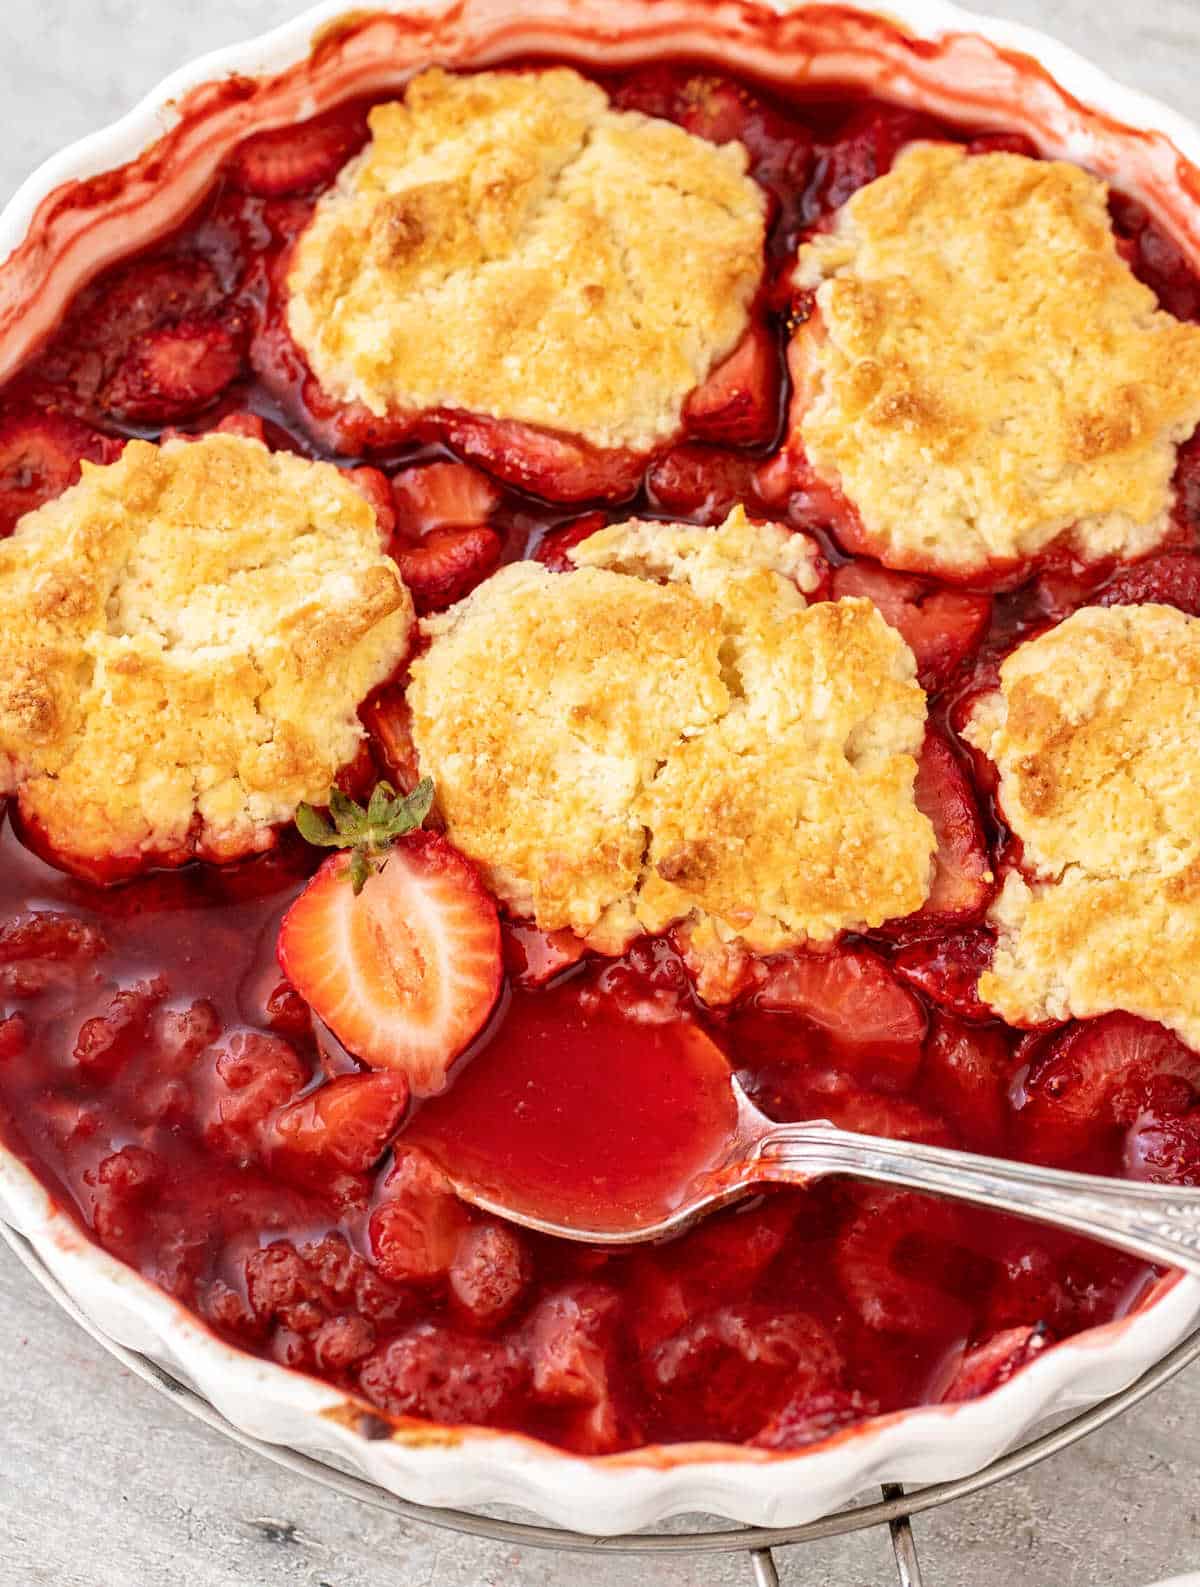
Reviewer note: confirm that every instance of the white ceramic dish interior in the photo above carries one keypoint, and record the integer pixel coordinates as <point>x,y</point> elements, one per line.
<point>59,229</point>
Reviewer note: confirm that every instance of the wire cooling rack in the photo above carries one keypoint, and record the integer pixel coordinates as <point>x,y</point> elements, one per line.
<point>894,1510</point>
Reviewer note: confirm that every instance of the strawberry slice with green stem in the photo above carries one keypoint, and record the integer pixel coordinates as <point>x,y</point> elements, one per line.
<point>395,944</point>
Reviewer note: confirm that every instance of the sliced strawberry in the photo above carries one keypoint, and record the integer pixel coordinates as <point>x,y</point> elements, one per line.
<point>174,370</point>
<point>896,1260</point>
<point>533,957</point>
<point>552,548</point>
<point>1097,1078</point>
<point>1172,579</point>
<point>850,994</point>
<point>962,881</point>
<point>249,425</point>
<point>941,627</point>
<point>544,462</point>
<point>40,454</point>
<point>700,482</point>
<point>415,1231</point>
<point>404,972</point>
<point>965,1077</point>
<point>388,719</point>
<point>346,1124</point>
<point>869,1113</point>
<point>377,488</point>
<point>946,969</point>
<point>813,1416</point>
<point>1187,485</point>
<point>296,159</point>
<point>738,405</point>
<point>446,565</point>
<point>442,496</point>
<point>989,1365</point>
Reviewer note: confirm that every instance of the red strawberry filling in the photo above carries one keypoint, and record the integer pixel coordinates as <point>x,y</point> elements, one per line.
<point>205,1116</point>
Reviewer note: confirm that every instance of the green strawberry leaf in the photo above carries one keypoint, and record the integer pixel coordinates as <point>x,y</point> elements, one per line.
<point>314,828</point>
<point>370,832</point>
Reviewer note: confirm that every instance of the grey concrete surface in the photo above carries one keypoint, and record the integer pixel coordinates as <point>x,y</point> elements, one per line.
<point>103,1484</point>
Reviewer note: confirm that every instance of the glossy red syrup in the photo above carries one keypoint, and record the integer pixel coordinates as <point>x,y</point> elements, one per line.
<point>178,1097</point>
<point>610,1137</point>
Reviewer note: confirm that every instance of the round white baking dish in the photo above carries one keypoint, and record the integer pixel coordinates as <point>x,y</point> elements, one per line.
<point>58,230</point>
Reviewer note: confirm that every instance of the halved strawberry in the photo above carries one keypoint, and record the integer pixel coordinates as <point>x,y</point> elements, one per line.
<point>441,496</point>
<point>946,969</point>
<point>987,1366</point>
<point>446,565</point>
<point>40,454</point>
<point>295,159</point>
<point>739,402</point>
<point>1172,579</point>
<point>701,482</point>
<point>174,370</point>
<point>1097,1078</point>
<point>534,957</point>
<point>552,548</point>
<point>851,996</point>
<point>406,971</point>
<point>965,1077</point>
<point>941,627</point>
<point>543,462</point>
<point>344,1124</point>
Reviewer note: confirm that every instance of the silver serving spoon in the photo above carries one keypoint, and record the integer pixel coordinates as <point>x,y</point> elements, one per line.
<point>1158,1222</point>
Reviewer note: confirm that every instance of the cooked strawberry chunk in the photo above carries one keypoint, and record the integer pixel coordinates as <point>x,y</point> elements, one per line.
<point>701,482</point>
<point>552,548</point>
<point>730,1372</point>
<point>896,1259</point>
<point>416,1229</point>
<point>850,994</point>
<point>404,972</point>
<point>490,1272</point>
<point>543,462</point>
<point>1095,1079</point>
<point>533,957</point>
<point>296,159</point>
<point>106,1040</point>
<point>442,496</point>
<point>253,1074</point>
<point>346,1124</point>
<point>377,488</point>
<point>989,1365</point>
<point>40,454</point>
<point>941,627</point>
<point>813,1416</point>
<point>444,1376</point>
<point>174,370</point>
<point>946,969</point>
<point>388,719</point>
<point>446,565</point>
<point>864,149</point>
<point>49,934</point>
<point>962,874</point>
<point>1164,1150</point>
<point>738,404</point>
<point>965,1077</point>
<point>1003,143</point>
<point>1172,579</point>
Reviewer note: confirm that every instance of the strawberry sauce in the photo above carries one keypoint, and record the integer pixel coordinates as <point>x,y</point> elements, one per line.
<point>174,1091</point>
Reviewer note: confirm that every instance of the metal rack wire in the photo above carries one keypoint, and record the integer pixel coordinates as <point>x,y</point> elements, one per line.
<point>894,1510</point>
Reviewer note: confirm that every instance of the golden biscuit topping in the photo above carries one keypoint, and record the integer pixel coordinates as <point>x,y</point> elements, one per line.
<point>669,732</point>
<point>510,245</point>
<point>985,372</point>
<point>185,636</point>
<point>1093,732</point>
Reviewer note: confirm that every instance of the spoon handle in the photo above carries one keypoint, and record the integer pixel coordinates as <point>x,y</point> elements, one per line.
<point>1159,1222</point>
